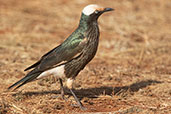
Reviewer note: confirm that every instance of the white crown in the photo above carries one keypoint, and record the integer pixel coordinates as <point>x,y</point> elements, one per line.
<point>88,10</point>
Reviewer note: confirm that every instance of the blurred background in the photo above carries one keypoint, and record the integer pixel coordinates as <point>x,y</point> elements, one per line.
<point>130,73</point>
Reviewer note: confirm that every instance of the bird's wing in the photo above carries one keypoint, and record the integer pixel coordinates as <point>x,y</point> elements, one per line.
<point>65,52</point>
<point>38,62</point>
<point>70,49</point>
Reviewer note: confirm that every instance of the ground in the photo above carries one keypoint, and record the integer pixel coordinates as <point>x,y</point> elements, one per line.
<point>131,73</point>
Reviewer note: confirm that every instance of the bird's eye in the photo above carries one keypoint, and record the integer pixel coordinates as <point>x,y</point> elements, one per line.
<point>96,12</point>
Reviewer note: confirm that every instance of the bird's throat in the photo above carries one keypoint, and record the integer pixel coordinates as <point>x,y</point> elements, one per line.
<point>86,22</point>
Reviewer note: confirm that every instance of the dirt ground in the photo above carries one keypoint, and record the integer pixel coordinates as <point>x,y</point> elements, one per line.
<point>131,73</point>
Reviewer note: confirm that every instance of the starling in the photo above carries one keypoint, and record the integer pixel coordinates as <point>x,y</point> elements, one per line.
<point>70,57</point>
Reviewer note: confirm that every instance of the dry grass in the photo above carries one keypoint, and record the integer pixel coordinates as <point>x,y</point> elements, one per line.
<point>130,74</point>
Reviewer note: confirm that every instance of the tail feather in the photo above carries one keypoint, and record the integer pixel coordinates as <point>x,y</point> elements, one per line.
<point>17,83</point>
<point>28,78</point>
<point>23,83</point>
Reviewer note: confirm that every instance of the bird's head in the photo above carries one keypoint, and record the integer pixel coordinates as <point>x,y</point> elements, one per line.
<point>93,11</point>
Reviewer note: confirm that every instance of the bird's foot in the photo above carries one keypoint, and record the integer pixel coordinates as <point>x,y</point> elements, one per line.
<point>59,96</point>
<point>77,105</point>
<point>63,97</point>
<point>78,101</point>
<point>55,96</point>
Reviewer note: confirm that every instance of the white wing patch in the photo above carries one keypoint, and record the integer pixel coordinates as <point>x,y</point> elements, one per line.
<point>57,72</point>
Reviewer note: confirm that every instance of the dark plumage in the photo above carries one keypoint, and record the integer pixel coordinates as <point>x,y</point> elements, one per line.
<point>69,58</point>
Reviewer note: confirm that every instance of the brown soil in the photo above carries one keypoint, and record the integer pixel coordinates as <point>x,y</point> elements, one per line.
<point>130,74</point>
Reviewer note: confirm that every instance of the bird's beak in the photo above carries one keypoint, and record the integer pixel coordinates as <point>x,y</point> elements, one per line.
<point>108,9</point>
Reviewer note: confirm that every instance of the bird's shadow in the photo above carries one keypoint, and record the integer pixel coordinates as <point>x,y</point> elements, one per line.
<point>95,92</point>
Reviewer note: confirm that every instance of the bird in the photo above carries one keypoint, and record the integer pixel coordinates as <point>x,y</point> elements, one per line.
<point>71,56</point>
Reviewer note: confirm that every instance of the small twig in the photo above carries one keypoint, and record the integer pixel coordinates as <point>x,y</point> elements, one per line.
<point>19,109</point>
<point>141,55</point>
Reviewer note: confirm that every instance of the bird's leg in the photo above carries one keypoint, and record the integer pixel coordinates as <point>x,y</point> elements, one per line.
<point>69,85</point>
<point>62,89</point>
<point>77,100</point>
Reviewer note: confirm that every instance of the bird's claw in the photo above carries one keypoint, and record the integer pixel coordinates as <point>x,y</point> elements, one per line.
<point>77,105</point>
<point>64,98</point>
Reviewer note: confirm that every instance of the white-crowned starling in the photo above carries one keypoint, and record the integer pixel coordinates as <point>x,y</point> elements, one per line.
<point>70,57</point>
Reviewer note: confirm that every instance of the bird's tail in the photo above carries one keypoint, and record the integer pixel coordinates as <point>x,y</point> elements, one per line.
<point>28,78</point>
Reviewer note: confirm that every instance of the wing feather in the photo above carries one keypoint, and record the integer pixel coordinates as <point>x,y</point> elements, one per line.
<point>67,51</point>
